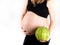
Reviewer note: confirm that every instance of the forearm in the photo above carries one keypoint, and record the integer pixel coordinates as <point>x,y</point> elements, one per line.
<point>51,26</point>
<point>52,14</point>
<point>23,14</point>
<point>22,17</point>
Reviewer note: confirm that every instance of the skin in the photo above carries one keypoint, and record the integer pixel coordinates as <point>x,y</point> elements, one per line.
<point>30,21</point>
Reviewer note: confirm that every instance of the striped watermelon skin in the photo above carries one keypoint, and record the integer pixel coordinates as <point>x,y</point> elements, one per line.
<point>42,33</point>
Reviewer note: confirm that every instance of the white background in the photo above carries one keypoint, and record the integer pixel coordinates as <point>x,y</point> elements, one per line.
<point>10,32</point>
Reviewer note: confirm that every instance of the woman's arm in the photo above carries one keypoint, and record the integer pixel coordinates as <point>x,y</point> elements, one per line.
<point>51,8</point>
<point>24,6</point>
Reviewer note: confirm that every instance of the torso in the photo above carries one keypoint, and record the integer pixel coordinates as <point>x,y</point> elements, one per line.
<point>39,9</point>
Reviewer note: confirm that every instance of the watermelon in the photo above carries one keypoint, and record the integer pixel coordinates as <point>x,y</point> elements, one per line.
<point>42,34</point>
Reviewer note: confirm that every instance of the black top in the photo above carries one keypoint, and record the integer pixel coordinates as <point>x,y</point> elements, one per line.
<point>39,9</point>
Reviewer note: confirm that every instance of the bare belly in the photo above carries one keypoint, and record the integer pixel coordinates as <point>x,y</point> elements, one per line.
<point>31,21</point>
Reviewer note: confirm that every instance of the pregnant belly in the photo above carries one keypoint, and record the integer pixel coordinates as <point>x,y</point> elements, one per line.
<point>31,21</point>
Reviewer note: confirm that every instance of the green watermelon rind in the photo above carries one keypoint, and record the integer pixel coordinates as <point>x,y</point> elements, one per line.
<point>42,37</point>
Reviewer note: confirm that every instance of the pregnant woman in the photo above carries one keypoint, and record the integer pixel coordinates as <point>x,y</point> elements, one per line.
<point>35,13</point>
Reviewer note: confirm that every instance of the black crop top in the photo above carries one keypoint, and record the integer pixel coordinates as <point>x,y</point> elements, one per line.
<point>39,9</point>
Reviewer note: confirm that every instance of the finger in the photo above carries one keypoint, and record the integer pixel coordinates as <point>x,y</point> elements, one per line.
<point>27,33</point>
